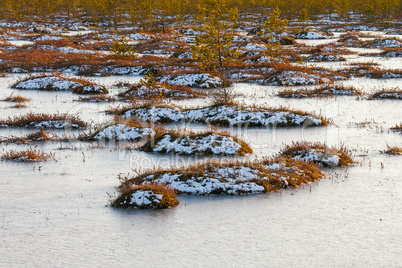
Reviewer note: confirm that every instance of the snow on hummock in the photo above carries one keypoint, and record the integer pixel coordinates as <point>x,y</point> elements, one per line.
<point>143,198</point>
<point>58,84</point>
<point>121,132</point>
<point>229,180</point>
<point>325,157</point>
<point>202,80</point>
<point>49,83</point>
<point>311,35</point>
<point>54,124</point>
<point>295,78</point>
<point>189,145</point>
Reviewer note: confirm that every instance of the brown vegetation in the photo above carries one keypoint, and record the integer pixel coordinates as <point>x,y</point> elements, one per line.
<point>393,150</point>
<point>31,120</point>
<point>27,155</point>
<point>17,98</point>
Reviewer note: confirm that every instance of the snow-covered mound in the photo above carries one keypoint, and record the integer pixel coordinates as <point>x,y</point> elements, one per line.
<point>58,83</point>
<point>312,35</point>
<point>203,80</point>
<point>388,94</point>
<point>143,199</point>
<point>235,178</point>
<point>384,43</point>
<point>196,144</point>
<point>226,115</point>
<point>147,196</point>
<point>123,132</point>
<point>160,91</point>
<point>46,83</point>
<point>323,57</point>
<point>318,153</point>
<point>295,78</point>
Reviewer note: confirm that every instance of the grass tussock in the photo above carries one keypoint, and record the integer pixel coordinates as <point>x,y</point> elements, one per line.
<point>159,92</point>
<point>35,120</point>
<point>28,155</point>
<point>322,91</point>
<point>319,153</point>
<point>17,98</point>
<point>125,199</point>
<point>397,150</point>
<point>392,94</point>
<point>19,106</point>
<point>397,128</point>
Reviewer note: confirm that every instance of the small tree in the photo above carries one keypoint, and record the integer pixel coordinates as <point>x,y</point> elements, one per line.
<point>212,47</point>
<point>272,26</point>
<point>122,48</point>
<point>149,81</point>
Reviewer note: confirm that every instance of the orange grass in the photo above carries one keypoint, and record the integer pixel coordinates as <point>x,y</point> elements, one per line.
<point>27,155</point>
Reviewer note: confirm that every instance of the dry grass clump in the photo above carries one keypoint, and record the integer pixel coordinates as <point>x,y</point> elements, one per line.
<point>319,153</point>
<point>393,150</point>
<point>19,106</point>
<point>397,128</point>
<point>187,137</point>
<point>17,98</point>
<point>28,155</point>
<point>32,137</point>
<point>168,200</point>
<point>393,94</point>
<point>31,120</point>
<point>322,91</point>
<point>97,98</point>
